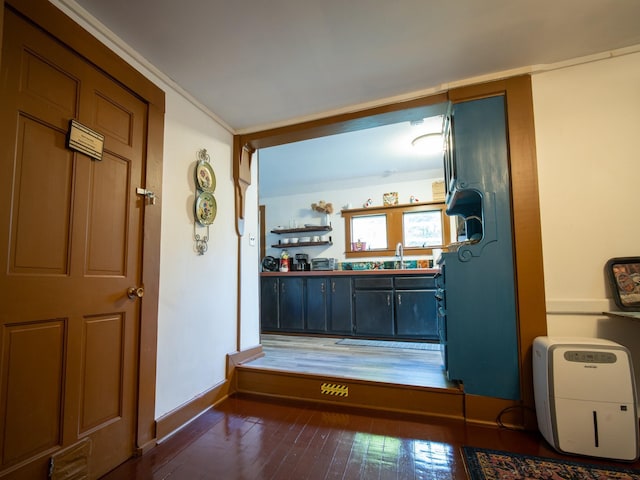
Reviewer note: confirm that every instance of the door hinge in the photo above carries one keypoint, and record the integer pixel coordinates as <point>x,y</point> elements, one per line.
<point>148,195</point>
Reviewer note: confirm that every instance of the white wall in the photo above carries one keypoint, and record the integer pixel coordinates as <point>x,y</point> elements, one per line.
<point>280,210</point>
<point>587,121</point>
<point>198,293</point>
<point>197,315</point>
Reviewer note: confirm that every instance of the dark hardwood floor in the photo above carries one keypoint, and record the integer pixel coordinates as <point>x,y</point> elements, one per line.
<point>246,438</point>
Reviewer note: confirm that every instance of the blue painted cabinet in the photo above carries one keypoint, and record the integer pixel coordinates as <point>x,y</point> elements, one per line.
<point>291,303</point>
<point>475,292</point>
<point>341,305</point>
<point>317,308</point>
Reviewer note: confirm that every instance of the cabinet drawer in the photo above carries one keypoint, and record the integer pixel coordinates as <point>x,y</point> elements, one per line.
<point>413,283</point>
<point>373,283</point>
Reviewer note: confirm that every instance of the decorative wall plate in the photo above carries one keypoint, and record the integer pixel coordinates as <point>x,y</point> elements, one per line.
<point>205,178</point>
<point>205,208</point>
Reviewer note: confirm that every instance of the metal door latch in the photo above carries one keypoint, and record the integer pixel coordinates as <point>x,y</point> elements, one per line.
<point>148,194</point>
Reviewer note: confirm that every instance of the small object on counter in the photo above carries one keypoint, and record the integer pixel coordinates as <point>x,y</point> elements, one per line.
<point>284,261</point>
<point>413,199</point>
<point>270,264</point>
<point>368,203</point>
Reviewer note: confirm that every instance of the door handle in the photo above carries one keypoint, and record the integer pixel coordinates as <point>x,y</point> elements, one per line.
<point>135,292</point>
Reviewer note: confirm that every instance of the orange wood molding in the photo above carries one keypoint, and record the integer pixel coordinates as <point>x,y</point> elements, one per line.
<point>524,185</point>
<point>242,156</point>
<point>175,419</point>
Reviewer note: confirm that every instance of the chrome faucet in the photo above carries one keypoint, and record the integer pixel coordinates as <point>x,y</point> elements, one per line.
<point>400,253</point>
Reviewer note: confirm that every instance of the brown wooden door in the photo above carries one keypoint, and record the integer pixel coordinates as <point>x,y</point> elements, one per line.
<point>71,245</point>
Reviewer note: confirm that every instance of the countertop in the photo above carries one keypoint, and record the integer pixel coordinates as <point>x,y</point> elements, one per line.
<point>334,273</point>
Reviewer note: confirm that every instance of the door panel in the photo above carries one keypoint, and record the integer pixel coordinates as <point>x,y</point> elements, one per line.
<point>107,230</point>
<point>73,247</point>
<point>47,87</point>
<point>31,388</point>
<point>41,208</point>
<point>101,385</point>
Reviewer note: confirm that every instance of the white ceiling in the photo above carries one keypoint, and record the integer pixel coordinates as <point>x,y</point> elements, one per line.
<point>256,64</point>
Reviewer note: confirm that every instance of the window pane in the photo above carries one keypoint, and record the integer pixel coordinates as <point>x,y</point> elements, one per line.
<point>370,231</point>
<point>422,229</point>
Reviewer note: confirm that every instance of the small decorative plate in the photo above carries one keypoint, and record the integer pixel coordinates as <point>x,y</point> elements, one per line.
<point>205,178</point>
<point>205,208</point>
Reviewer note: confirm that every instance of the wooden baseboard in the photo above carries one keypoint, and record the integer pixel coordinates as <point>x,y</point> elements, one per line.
<point>172,421</point>
<point>432,402</point>
<point>238,358</point>
<point>496,411</point>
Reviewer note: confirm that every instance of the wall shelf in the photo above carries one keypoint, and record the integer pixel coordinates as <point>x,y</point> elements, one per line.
<point>301,244</point>
<point>319,228</point>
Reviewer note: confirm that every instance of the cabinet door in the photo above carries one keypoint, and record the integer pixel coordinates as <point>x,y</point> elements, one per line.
<point>291,303</point>
<point>341,305</point>
<point>416,314</point>
<point>269,304</point>
<point>374,313</point>
<point>317,304</point>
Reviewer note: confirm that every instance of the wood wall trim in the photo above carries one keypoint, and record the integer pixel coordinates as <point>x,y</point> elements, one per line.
<point>527,232</point>
<point>178,418</point>
<point>402,399</point>
<point>238,358</point>
<point>525,203</point>
<point>346,122</point>
<point>55,22</point>
<point>488,411</point>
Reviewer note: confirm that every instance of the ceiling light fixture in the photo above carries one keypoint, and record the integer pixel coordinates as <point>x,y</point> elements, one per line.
<point>428,143</point>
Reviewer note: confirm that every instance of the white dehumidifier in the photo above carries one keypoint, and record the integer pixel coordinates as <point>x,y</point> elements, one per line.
<point>585,397</point>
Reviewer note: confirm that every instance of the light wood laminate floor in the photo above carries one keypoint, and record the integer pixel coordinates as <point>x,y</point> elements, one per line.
<point>320,355</point>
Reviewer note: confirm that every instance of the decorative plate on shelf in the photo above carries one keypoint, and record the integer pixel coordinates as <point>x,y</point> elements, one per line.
<point>205,208</point>
<point>205,178</point>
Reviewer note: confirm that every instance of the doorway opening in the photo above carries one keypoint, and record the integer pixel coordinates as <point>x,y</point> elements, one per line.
<point>347,170</point>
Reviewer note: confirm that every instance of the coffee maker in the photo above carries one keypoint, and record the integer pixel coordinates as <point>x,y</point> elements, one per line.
<point>302,262</point>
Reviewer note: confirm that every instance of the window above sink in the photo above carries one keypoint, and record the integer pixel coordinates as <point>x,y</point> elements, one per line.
<point>375,231</point>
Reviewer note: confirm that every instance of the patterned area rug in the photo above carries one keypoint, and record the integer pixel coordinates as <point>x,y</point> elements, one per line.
<point>485,464</point>
<point>389,344</point>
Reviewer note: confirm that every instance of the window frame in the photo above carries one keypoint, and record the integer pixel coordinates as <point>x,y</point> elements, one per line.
<point>395,231</point>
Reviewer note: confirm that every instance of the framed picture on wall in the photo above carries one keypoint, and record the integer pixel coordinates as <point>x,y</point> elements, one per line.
<point>624,278</point>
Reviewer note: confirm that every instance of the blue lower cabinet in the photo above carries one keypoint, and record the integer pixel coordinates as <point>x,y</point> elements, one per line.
<point>384,307</point>
<point>269,304</point>
<point>340,305</point>
<point>317,307</point>
<point>292,304</point>
<point>416,314</point>
<point>374,313</point>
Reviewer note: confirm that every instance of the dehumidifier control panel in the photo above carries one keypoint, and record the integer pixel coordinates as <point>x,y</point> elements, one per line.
<point>585,356</point>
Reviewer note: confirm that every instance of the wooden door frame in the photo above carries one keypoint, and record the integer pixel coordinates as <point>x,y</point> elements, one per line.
<point>526,230</point>
<point>56,23</point>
